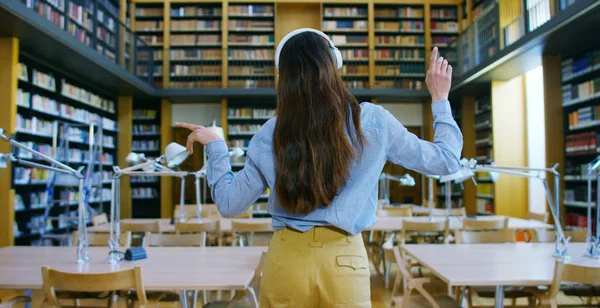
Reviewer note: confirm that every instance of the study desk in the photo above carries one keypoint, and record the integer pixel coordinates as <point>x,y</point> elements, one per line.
<point>167,227</point>
<point>389,224</point>
<point>166,268</point>
<point>494,265</point>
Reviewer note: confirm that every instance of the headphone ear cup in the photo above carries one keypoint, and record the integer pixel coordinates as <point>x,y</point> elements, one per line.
<point>338,58</point>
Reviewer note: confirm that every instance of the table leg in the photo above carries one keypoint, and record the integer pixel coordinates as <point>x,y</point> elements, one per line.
<point>499,302</point>
<point>183,299</point>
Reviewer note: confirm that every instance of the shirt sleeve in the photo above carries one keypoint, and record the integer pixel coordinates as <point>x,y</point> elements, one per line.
<point>442,157</point>
<point>233,194</point>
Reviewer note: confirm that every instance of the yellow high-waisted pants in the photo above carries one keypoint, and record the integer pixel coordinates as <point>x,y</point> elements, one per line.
<point>323,267</point>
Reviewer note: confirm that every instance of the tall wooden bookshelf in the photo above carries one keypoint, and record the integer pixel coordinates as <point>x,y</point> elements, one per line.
<point>146,135</point>
<point>484,146</point>
<point>444,29</point>
<point>399,46</point>
<point>581,105</point>
<point>47,101</point>
<point>149,25</point>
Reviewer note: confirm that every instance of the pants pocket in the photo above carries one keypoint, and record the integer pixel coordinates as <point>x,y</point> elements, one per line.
<point>349,282</point>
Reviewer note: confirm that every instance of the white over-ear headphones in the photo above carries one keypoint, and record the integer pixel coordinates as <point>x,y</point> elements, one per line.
<point>337,55</point>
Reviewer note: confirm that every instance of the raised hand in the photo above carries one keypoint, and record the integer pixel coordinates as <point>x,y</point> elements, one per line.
<point>439,77</point>
<point>199,134</point>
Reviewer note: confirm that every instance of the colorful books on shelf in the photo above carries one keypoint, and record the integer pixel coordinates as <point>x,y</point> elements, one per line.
<point>196,54</point>
<point>23,98</point>
<point>142,70</point>
<point>251,25</point>
<point>142,129</point>
<point>148,25</point>
<point>242,40</point>
<point>195,84</point>
<point>400,40</point>
<point>401,70</point>
<point>251,70</point>
<point>444,26</point>
<point>350,40</point>
<point>344,25</point>
<point>577,171</point>
<point>34,126</point>
<point>82,15</point>
<point>148,12</point>
<point>399,26</point>
<point>144,193</point>
<point>151,40</point>
<point>145,145</point>
<point>251,10</point>
<point>83,96</point>
<point>361,11</point>
<point>190,11</point>
<point>22,72</point>
<point>195,39</point>
<point>51,10</point>
<point>144,114</point>
<point>514,31</point>
<point>584,117</point>
<point>145,179</point>
<point>43,80</point>
<point>572,68</point>
<point>444,13</point>
<point>195,25</point>
<point>44,104</point>
<point>398,83</point>
<point>251,54</point>
<point>79,33</point>
<point>400,54</point>
<point>406,12</point>
<point>354,70</point>
<point>195,70</point>
<point>243,128</point>
<point>251,83</point>
<point>582,143</point>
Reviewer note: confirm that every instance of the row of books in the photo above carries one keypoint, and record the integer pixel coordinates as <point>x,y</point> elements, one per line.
<point>84,116</point>
<point>252,70</point>
<point>30,175</point>
<point>243,128</point>
<point>43,80</point>
<point>195,84</point>
<point>39,224</point>
<point>252,39</point>
<point>195,70</point>
<point>44,104</point>
<point>145,179</point>
<point>37,201</point>
<point>445,26</point>
<point>355,70</point>
<point>143,129</point>
<point>240,143</point>
<point>448,13</point>
<point>83,96</point>
<point>355,54</point>
<point>107,37</point>
<point>77,134</point>
<point>101,176</point>
<point>355,84</point>
<point>585,116</point>
<point>142,70</point>
<point>251,54</point>
<point>48,11</point>
<point>399,54</point>
<point>573,93</point>
<point>574,67</point>
<point>149,11</point>
<point>145,145</point>
<point>196,54</point>
<point>195,39</point>
<point>333,25</point>
<point>345,11</point>
<point>340,40</point>
<point>538,13</point>
<point>514,31</point>
<point>148,25</point>
<point>411,84</point>
<point>144,192</point>
<point>251,10</point>
<point>405,40</point>
<point>576,170</point>
<point>34,126</point>
<point>195,11</point>
<point>106,19</point>
<point>582,143</point>
<point>152,40</point>
<point>577,220</point>
<point>83,16</point>
<point>401,26</point>
<point>79,33</point>
<point>257,113</point>
<point>402,69</point>
<point>195,25</point>
<point>144,113</point>
<point>442,40</point>
<point>576,194</point>
<point>411,12</point>
<point>82,156</point>
<point>251,83</point>
<point>45,149</point>
<point>263,25</point>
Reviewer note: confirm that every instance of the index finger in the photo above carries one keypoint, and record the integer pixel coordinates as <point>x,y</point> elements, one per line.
<point>434,56</point>
<point>187,125</point>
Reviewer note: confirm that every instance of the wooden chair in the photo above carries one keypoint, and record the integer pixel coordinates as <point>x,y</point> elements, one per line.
<point>409,283</point>
<point>241,229</point>
<point>491,237</point>
<point>212,227</point>
<point>485,224</point>
<point>580,274</point>
<point>549,236</point>
<point>101,239</point>
<point>174,240</point>
<point>14,301</point>
<point>395,211</point>
<point>60,286</point>
<point>141,227</point>
<point>422,227</point>
<point>543,217</point>
<point>100,219</point>
<point>208,210</point>
<point>461,211</point>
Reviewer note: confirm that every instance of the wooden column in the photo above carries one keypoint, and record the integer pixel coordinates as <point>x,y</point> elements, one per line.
<point>428,135</point>
<point>224,43</point>
<point>553,113</point>
<point>469,151</point>
<point>166,137</point>
<point>125,120</point>
<point>9,59</point>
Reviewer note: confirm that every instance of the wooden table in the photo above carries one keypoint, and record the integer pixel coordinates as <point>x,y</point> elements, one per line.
<point>389,224</point>
<point>166,268</point>
<point>167,227</point>
<point>497,265</point>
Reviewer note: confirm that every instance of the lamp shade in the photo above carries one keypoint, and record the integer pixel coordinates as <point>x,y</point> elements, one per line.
<point>408,180</point>
<point>175,154</point>
<point>134,158</point>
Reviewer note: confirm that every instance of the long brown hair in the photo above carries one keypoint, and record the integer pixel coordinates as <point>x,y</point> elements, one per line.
<point>318,133</point>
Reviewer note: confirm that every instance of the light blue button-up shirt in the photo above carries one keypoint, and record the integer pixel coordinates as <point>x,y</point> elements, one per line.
<point>354,208</point>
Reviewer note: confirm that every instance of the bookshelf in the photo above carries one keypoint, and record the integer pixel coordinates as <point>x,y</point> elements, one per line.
<point>149,27</point>
<point>145,139</point>
<point>444,31</point>
<point>195,45</point>
<point>347,26</point>
<point>48,103</point>
<point>581,105</point>
<point>251,45</point>
<point>399,46</point>
<point>484,153</point>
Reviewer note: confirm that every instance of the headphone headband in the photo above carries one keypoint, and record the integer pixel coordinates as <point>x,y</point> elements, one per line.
<point>336,53</point>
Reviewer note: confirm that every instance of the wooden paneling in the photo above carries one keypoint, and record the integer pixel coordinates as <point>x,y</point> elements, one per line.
<point>125,120</point>
<point>292,16</point>
<point>468,130</point>
<point>166,137</point>
<point>510,147</point>
<point>9,58</point>
<point>553,112</point>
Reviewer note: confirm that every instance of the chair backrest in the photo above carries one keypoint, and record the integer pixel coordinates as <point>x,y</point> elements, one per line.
<point>92,282</point>
<point>549,236</point>
<point>100,219</point>
<point>579,274</point>
<point>247,228</point>
<point>485,224</point>
<point>208,210</point>
<point>543,217</point>
<point>198,226</point>
<point>174,240</point>
<point>453,212</point>
<point>489,237</point>
<point>101,239</point>
<point>395,211</point>
<point>141,227</point>
<point>411,225</point>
